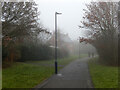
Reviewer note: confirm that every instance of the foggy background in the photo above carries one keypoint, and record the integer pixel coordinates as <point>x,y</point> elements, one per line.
<point>67,22</point>
<point>28,41</point>
<point>72,13</point>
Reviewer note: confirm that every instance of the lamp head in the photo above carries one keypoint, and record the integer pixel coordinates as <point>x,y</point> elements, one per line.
<point>58,13</point>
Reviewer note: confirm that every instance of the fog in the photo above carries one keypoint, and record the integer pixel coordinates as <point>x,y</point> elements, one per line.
<point>35,56</point>
<point>72,13</point>
<point>67,22</point>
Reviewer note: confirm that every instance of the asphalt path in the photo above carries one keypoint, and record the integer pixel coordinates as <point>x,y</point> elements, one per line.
<point>74,75</point>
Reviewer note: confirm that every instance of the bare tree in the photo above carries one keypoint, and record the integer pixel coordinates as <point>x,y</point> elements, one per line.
<point>101,19</point>
<point>19,19</point>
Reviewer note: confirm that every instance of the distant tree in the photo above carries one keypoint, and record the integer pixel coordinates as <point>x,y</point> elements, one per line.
<point>101,20</point>
<point>63,44</point>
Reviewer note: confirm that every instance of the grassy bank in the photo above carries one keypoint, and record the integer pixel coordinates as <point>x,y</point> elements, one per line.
<point>29,74</point>
<point>103,76</point>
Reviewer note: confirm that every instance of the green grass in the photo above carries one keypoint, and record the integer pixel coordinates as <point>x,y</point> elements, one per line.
<point>103,76</point>
<point>61,62</point>
<point>30,74</point>
<point>23,75</point>
<point>0,78</point>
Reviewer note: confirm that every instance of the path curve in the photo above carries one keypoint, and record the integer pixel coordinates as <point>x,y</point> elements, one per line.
<point>74,75</point>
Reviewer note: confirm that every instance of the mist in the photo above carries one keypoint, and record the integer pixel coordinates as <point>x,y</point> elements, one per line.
<point>72,13</point>
<point>59,44</point>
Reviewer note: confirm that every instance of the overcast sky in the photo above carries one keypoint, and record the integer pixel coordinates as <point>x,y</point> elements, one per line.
<point>72,13</point>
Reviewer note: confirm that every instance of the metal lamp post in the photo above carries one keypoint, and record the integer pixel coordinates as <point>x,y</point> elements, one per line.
<point>79,50</point>
<point>79,47</point>
<point>56,13</point>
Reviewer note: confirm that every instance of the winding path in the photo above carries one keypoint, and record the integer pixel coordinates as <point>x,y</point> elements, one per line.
<point>74,75</point>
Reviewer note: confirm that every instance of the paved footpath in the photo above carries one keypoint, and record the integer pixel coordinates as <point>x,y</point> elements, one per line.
<point>74,75</point>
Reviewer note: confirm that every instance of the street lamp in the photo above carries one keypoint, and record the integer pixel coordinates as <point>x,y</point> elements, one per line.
<point>79,46</point>
<point>56,13</point>
<point>79,50</point>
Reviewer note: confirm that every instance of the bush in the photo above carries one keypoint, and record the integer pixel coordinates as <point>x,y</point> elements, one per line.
<point>36,52</point>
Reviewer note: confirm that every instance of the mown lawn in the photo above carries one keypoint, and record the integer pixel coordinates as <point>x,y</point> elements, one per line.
<point>23,75</point>
<point>0,78</point>
<point>103,76</point>
<point>28,75</point>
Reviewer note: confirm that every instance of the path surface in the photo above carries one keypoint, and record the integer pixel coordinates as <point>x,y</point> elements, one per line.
<point>74,75</point>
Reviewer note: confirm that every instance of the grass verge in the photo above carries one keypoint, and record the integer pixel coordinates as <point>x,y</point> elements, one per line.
<point>0,78</point>
<point>103,76</point>
<point>23,75</point>
<point>30,74</point>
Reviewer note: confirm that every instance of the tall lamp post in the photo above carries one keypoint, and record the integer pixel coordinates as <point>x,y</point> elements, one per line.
<point>79,50</point>
<point>79,47</point>
<point>56,13</point>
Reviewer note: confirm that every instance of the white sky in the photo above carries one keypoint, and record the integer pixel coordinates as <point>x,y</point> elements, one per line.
<point>72,13</point>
